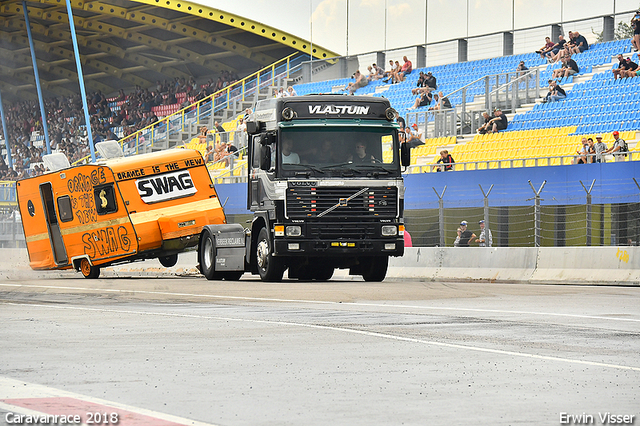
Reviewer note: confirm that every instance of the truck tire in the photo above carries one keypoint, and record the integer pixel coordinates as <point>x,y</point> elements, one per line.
<point>270,268</point>
<point>168,261</point>
<point>375,268</point>
<point>207,257</point>
<point>88,270</point>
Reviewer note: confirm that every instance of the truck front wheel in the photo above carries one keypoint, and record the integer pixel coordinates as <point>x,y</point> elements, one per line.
<point>207,257</point>
<point>375,268</point>
<point>270,268</point>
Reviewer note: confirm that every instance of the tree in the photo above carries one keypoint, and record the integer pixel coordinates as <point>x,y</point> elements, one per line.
<point>623,31</point>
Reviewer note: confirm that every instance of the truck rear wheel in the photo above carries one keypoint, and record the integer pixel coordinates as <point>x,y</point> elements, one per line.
<point>270,268</point>
<point>88,270</point>
<point>375,268</point>
<point>324,273</point>
<point>207,257</point>
<point>168,261</point>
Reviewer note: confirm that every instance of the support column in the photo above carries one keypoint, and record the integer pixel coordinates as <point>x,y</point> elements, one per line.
<point>441,214</point>
<point>43,115</point>
<point>462,50</point>
<point>608,28</point>
<point>507,44</point>
<point>537,212</point>
<point>6,135</point>
<point>421,57</point>
<point>83,93</point>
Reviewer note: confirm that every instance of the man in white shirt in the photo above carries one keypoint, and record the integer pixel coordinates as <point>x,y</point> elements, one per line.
<point>485,239</point>
<point>289,157</point>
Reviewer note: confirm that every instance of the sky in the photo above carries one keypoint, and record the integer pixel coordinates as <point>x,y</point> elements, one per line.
<point>350,27</point>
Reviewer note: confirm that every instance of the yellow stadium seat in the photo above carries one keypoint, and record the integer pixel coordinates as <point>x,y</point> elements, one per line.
<point>505,164</point>
<point>555,161</point>
<point>494,164</point>
<point>517,163</point>
<point>481,166</point>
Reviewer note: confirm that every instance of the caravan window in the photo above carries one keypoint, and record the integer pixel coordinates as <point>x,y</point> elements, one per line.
<point>64,208</point>
<point>105,198</point>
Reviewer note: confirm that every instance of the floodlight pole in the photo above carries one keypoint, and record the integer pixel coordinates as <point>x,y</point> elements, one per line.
<point>6,135</point>
<point>83,93</point>
<point>43,116</point>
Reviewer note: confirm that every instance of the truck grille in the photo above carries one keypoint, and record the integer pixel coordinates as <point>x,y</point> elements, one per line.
<point>349,231</point>
<point>309,202</point>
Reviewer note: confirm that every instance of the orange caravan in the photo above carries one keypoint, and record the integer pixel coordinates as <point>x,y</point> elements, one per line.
<point>119,209</point>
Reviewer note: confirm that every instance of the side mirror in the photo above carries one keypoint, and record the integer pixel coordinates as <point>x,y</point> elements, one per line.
<point>405,154</point>
<point>265,158</point>
<point>253,127</point>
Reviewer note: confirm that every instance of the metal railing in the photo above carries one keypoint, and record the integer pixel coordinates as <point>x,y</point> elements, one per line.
<point>11,233</point>
<point>514,92</point>
<point>157,135</point>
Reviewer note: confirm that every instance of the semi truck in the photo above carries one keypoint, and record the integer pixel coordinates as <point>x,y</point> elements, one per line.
<point>325,189</point>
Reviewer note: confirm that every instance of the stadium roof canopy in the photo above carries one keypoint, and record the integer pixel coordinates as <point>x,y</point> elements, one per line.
<point>125,43</point>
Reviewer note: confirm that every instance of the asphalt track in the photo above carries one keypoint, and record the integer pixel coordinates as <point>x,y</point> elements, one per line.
<point>181,350</point>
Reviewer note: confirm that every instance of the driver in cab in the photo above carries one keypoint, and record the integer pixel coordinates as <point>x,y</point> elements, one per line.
<point>288,156</point>
<point>361,155</point>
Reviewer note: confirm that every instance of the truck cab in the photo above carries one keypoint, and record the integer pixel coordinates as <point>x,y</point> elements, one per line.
<point>325,187</point>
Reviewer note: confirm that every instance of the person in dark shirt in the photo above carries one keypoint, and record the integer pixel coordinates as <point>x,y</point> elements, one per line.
<point>499,122</point>
<point>464,235</point>
<point>447,162</point>
<point>631,69</point>
<point>580,43</point>
<point>622,66</point>
<point>551,54</point>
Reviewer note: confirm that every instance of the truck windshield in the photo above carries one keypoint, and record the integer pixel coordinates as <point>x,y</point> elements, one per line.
<point>326,151</point>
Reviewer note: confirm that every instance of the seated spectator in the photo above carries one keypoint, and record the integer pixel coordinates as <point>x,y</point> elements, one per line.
<point>209,154</point>
<point>378,72</point>
<point>413,136</point>
<point>556,93</point>
<point>441,102</point>
<point>405,70</point>
<point>622,66</point>
<point>394,73</point>
<point>499,122</point>
<point>360,81</point>
<point>569,67</point>
<point>388,73</point>
<point>548,46</point>
<point>555,50</point>
<point>591,151</point>
<point>292,91</point>
<point>631,69</point>
<point>430,82</point>
<point>521,69</point>
<point>486,127</point>
<point>424,99</point>
<point>446,161</point>
<point>580,43</point>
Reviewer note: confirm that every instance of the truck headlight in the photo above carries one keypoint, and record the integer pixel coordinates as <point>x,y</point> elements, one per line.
<point>293,231</point>
<point>389,230</point>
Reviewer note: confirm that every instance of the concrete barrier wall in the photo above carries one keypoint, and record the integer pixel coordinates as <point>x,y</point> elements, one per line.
<point>588,265</point>
<point>583,265</point>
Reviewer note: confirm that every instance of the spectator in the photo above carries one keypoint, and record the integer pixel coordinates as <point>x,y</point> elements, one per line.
<point>583,153</point>
<point>521,69</point>
<point>394,72</point>
<point>413,136</point>
<point>389,73</point>
<point>569,67</point>
<point>209,154</point>
<point>619,148</point>
<point>486,127</point>
<point>446,160</point>
<point>403,124</point>
<point>220,129</point>
<point>378,72</point>
<point>423,99</point>
<point>548,46</point>
<point>485,239</point>
<point>630,70</point>
<point>360,81</point>
<point>499,122</point>
<point>464,235</point>
<point>556,93</point>
<point>580,43</point>
<point>591,151</point>
<point>441,102</point>
<point>622,66</point>
<point>430,82</point>
<point>292,91</point>
<point>405,70</point>
<point>600,148</point>
<point>555,50</point>
<point>635,24</point>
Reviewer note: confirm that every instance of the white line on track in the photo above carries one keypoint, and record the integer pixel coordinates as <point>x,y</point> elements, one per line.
<point>321,302</point>
<point>345,330</point>
<point>18,389</point>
